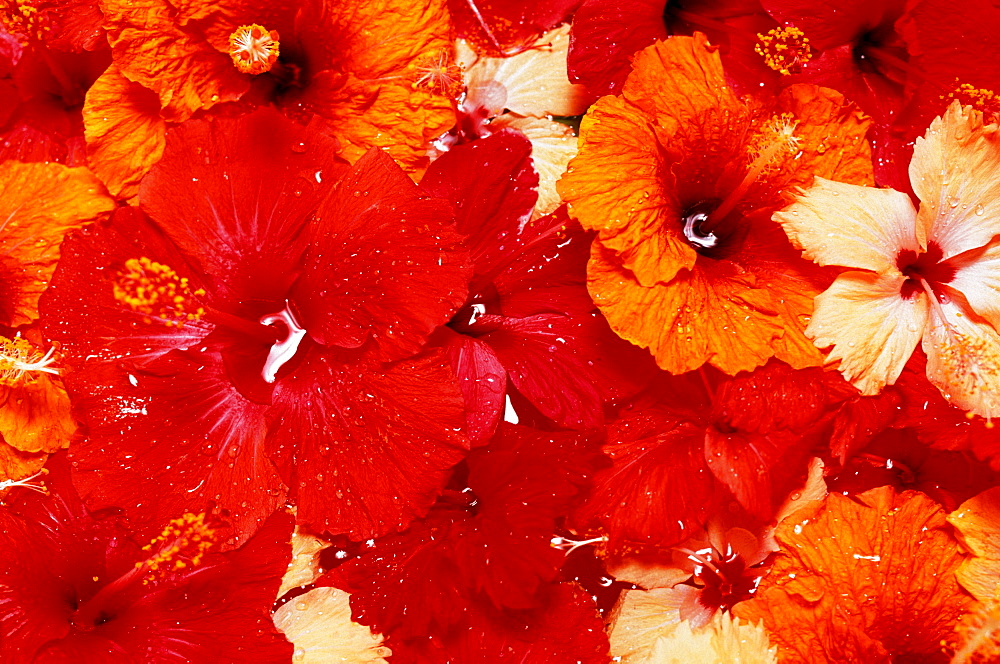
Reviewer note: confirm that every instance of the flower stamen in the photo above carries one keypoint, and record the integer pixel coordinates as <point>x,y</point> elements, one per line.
<point>28,483</point>
<point>156,290</point>
<point>253,48</point>
<point>183,543</point>
<point>19,359</point>
<point>284,350</point>
<point>784,49</point>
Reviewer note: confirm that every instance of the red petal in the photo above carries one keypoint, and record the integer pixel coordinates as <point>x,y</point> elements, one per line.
<point>498,26</point>
<point>483,381</point>
<point>384,265</point>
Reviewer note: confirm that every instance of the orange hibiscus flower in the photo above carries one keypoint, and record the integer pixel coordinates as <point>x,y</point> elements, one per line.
<point>356,64</point>
<point>679,177</point>
<point>929,275</point>
<point>862,579</point>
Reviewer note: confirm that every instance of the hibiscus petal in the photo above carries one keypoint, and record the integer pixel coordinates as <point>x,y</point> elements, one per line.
<point>843,224</point>
<point>35,415</point>
<point>372,447</point>
<point>963,358</point>
<point>553,145</point>
<point>535,80</point>
<point>861,579</point>
<point>124,131</point>
<point>872,328</point>
<point>319,625</point>
<point>499,28</point>
<point>953,172</point>
<point>483,381</point>
<point>977,277</point>
<point>384,264</point>
<point>41,202</point>
<point>977,522</point>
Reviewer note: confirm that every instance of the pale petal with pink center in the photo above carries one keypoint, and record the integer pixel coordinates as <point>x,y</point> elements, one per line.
<point>872,328</point>
<point>954,174</point>
<point>963,358</point>
<point>844,224</point>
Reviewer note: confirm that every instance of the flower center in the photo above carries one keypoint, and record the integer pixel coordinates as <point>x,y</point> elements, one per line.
<point>254,48</point>
<point>154,289</point>
<point>439,74</point>
<point>19,360</point>
<point>21,18</point>
<point>694,226</point>
<point>284,349</point>
<point>784,49</point>
<point>925,267</point>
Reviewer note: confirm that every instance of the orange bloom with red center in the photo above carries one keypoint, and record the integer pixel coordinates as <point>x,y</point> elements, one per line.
<point>679,176</point>
<point>356,64</point>
<point>868,578</point>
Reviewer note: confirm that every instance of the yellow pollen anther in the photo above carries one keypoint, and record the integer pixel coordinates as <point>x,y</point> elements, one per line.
<point>254,48</point>
<point>28,483</point>
<point>20,360</point>
<point>183,543</point>
<point>784,49</point>
<point>439,74</point>
<point>982,99</point>
<point>22,19</point>
<point>156,290</point>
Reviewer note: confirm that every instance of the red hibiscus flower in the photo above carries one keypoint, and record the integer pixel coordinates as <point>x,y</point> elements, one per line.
<point>76,588</point>
<point>261,334</point>
<point>528,316</point>
<point>486,547</point>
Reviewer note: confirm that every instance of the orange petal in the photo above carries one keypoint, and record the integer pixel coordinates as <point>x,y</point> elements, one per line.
<point>125,134</point>
<point>978,523</point>
<point>36,416</point>
<point>953,172</point>
<point>963,358</point>
<point>851,226</point>
<point>701,316</point>
<point>629,204</point>
<point>872,328</point>
<point>16,465</point>
<point>39,204</point>
<point>367,56</point>
<point>863,579</point>
<point>151,47</point>
<point>319,625</point>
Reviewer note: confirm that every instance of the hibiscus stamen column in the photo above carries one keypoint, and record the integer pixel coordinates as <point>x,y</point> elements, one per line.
<point>183,543</point>
<point>283,350</point>
<point>254,48</point>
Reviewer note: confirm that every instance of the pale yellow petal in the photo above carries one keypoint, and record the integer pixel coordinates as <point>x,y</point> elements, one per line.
<point>552,146</point>
<point>534,82</point>
<point>978,279</point>
<point>304,568</point>
<point>963,358</point>
<point>724,640</point>
<point>319,625</point>
<point>643,616</point>
<point>872,328</point>
<point>844,224</point>
<point>954,174</point>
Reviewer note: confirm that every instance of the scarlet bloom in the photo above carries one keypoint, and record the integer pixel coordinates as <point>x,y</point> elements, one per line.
<point>917,275</point>
<point>262,334</point>
<point>528,318</point>
<point>75,587</point>
<point>686,261</point>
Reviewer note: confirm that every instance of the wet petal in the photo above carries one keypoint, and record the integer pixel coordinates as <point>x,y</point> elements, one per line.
<point>978,523</point>
<point>872,328</point>
<point>319,625</point>
<point>851,226</point>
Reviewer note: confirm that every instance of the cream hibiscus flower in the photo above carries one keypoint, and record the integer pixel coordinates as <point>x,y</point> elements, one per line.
<point>929,275</point>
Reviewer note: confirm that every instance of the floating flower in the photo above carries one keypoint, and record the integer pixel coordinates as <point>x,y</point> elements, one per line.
<point>862,579</point>
<point>925,275</point>
<point>678,176</point>
<point>263,334</point>
<point>75,587</point>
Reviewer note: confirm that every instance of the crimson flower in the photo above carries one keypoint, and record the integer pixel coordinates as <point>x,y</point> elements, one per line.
<point>262,331</point>
<point>528,317</point>
<point>485,547</point>
<point>74,587</point>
